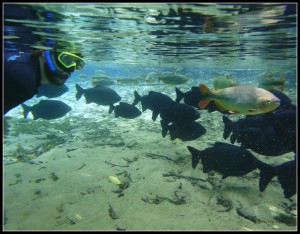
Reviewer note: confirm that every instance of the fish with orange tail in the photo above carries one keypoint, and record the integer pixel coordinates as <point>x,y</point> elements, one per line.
<point>240,99</point>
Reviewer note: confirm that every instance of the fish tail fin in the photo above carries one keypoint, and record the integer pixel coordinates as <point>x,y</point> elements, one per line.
<point>79,93</point>
<point>137,98</point>
<point>267,172</point>
<point>164,128</point>
<point>233,137</point>
<point>288,181</point>
<point>204,91</point>
<point>111,108</point>
<point>228,127</point>
<point>154,114</point>
<point>195,156</point>
<point>26,110</point>
<point>288,185</point>
<point>179,95</point>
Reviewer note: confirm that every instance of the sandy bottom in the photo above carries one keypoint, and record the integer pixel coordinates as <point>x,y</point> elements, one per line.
<point>56,177</point>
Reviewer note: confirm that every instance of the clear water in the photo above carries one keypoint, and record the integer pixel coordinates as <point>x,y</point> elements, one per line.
<point>246,36</point>
<point>129,41</point>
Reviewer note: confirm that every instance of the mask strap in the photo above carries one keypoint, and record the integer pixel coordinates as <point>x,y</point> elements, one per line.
<point>49,60</point>
<point>51,66</point>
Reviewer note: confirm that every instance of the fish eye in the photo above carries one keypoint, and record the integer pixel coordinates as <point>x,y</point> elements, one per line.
<point>268,101</point>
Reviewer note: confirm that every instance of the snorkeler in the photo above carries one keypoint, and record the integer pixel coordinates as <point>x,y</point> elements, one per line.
<point>24,72</point>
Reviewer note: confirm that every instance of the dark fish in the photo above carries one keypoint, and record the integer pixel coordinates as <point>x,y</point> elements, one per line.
<point>47,109</point>
<point>179,113</point>
<point>287,178</point>
<point>100,95</point>
<point>185,132</point>
<point>285,101</point>
<point>286,174</point>
<point>231,160</point>
<point>193,98</point>
<point>51,91</point>
<point>287,118</point>
<point>125,110</point>
<point>269,134</point>
<point>270,141</point>
<point>227,159</point>
<point>154,101</point>
<point>257,121</point>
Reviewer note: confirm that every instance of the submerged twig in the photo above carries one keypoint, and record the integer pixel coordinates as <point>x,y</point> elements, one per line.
<point>115,165</point>
<point>156,156</point>
<point>246,215</point>
<point>176,200</point>
<point>173,174</point>
<point>130,160</point>
<point>69,150</point>
<point>112,213</point>
<point>83,165</point>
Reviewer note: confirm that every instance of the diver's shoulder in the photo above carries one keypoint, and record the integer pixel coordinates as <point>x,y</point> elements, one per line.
<point>17,56</point>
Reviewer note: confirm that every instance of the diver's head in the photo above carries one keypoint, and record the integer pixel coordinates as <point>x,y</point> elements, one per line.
<point>60,65</point>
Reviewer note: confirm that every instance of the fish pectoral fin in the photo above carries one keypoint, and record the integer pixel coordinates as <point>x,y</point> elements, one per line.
<point>233,112</point>
<point>154,115</point>
<point>203,103</point>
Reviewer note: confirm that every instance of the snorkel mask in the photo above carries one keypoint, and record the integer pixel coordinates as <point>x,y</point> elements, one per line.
<point>66,61</point>
<point>69,60</point>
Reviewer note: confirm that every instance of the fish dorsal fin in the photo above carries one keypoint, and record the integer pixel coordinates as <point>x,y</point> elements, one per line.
<point>154,115</point>
<point>196,156</point>
<point>204,91</point>
<point>111,108</point>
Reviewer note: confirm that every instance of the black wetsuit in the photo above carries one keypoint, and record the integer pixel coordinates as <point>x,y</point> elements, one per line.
<point>21,70</point>
<point>22,77</point>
